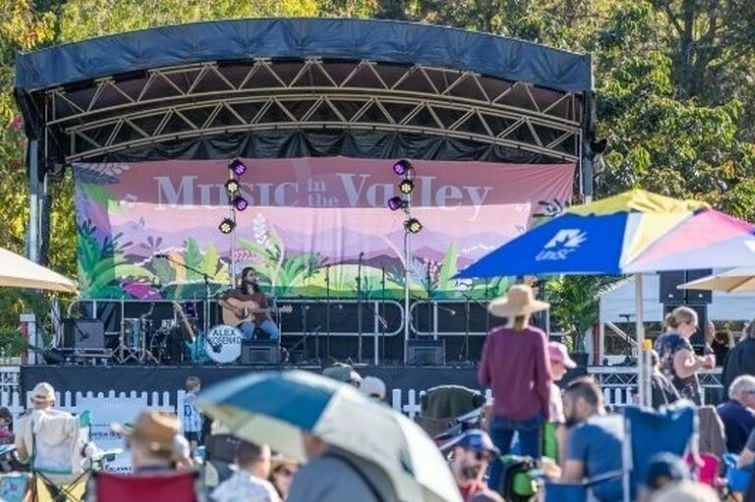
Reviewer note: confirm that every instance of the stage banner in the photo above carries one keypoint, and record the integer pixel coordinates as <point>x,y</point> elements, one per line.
<point>313,227</point>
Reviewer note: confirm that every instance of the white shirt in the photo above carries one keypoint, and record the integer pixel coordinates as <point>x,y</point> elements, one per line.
<point>242,486</point>
<point>556,405</point>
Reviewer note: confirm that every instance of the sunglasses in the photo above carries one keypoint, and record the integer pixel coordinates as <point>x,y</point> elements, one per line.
<point>479,455</point>
<point>285,471</point>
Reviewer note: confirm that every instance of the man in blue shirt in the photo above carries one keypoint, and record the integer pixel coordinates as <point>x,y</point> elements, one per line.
<point>594,442</point>
<point>738,413</point>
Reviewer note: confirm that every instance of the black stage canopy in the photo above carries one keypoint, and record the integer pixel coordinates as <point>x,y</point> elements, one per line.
<point>304,87</point>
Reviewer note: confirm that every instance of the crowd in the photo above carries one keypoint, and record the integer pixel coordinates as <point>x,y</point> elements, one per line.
<point>532,427</point>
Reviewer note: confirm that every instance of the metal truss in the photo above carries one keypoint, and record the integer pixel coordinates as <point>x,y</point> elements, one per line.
<point>209,99</point>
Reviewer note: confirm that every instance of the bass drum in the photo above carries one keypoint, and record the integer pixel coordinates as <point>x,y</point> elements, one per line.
<point>223,344</point>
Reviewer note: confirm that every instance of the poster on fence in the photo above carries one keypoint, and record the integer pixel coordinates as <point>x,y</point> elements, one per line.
<point>312,225</point>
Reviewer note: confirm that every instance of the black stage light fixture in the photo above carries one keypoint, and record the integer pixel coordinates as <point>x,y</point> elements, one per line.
<point>226,226</point>
<point>237,167</point>
<point>406,186</point>
<point>413,226</point>
<point>232,186</point>
<point>240,203</point>
<point>402,167</point>
<point>396,203</point>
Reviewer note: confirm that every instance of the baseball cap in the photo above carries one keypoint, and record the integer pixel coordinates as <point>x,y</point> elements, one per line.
<point>559,353</point>
<point>373,386</point>
<point>478,440</point>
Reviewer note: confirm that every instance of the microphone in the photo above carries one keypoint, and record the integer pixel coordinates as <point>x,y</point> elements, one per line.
<point>161,255</point>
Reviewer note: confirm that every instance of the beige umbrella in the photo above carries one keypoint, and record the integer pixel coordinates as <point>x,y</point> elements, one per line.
<point>732,281</point>
<point>18,272</point>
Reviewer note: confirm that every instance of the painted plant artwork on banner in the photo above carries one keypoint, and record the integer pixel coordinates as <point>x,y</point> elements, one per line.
<point>313,225</point>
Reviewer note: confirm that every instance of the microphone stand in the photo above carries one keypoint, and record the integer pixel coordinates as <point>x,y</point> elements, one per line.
<point>359,307</point>
<point>327,312</point>
<point>430,328</point>
<point>206,306</point>
<point>381,310</point>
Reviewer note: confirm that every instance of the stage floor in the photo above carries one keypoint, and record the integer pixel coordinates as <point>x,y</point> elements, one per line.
<point>171,378</point>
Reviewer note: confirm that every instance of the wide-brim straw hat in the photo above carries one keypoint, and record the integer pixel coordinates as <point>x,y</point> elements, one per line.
<point>518,301</point>
<point>155,429</point>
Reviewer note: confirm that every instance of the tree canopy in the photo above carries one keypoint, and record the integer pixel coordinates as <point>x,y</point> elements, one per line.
<point>674,84</point>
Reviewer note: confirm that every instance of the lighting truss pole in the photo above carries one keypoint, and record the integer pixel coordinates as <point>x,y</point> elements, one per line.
<point>407,277</point>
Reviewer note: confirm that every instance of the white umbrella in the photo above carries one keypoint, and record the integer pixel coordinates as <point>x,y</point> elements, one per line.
<point>732,281</point>
<point>19,272</point>
<point>274,408</point>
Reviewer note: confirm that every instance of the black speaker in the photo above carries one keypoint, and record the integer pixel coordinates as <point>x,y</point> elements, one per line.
<point>83,334</point>
<point>259,352</point>
<point>669,294</point>
<point>698,338</point>
<point>426,352</point>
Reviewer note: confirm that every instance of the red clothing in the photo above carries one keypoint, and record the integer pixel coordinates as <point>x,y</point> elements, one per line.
<point>472,489</point>
<point>516,367</point>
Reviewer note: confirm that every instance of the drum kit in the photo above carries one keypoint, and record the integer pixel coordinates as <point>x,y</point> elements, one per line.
<point>173,341</point>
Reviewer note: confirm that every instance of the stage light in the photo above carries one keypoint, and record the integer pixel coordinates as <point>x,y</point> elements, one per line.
<point>406,186</point>
<point>232,187</point>
<point>237,167</point>
<point>412,225</point>
<point>226,226</point>
<point>240,203</point>
<point>396,203</point>
<point>402,167</point>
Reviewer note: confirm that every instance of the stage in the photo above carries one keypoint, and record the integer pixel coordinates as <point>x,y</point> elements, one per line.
<point>161,379</point>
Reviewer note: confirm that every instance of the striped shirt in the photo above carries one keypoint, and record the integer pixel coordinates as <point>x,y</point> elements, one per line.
<point>191,418</point>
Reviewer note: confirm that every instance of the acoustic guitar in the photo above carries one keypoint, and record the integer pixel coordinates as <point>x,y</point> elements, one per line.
<point>195,347</point>
<point>248,309</point>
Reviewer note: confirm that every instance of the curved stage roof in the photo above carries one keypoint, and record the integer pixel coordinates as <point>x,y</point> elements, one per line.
<point>292,87</point>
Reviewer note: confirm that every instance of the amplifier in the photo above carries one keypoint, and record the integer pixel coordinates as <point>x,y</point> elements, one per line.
<point>426,352</point>
<point>259,352</point>
<point>83,334</point>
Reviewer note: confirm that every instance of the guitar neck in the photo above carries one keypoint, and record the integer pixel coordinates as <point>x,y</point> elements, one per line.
<point>186,324</point>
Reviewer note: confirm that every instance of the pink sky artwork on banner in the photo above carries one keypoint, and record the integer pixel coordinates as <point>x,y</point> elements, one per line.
<point>308,222</point>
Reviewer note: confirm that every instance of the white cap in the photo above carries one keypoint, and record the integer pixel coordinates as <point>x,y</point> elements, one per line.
<point>373,386</point>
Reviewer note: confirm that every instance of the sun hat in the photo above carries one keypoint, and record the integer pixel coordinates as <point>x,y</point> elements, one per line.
<point>518,301</point>
<point>157,430</point>
<point>558,353</point>
<point>373,387</point>
<point>43,392</point>
<point>478,440</point>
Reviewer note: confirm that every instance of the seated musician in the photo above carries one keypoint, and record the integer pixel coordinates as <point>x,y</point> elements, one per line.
<point>249,291</point>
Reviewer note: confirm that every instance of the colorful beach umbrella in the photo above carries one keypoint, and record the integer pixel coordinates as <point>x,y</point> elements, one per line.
<point>631,233</point>
<point>274,408</point>
<point>736,280</point>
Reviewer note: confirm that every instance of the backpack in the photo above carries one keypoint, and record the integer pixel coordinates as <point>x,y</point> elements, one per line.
<point>516,483</point>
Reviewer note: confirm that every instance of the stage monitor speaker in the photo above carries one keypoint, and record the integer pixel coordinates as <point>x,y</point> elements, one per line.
<point>426,352</point>
<point>698,338</point>
<point>259,352</point>
<point>83,334</point>
<point>668,293</point>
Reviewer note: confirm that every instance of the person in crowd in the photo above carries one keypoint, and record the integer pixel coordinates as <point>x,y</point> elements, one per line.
<point>329,475</point>
<point>191,417</point>
<point>6,426</point>
<point>282,474</point>
<point>373,387</point>
<point>487,496</point>
<point>738,413</point>
<point>664,469</point>
<point>741,358</point>
<point>560,364</point>
<point>257,314</point>
<point>723,342</point>
<point>516,366</point>
<point>663,391</point>
<point>343,373</point>
<point>594,442</point>
<point>155,443</point>
<point>249,482</point>
<point>747,457</point>
<point>685,491</point>
<point>678,360</point>
<point>471,457</point>
<point>42,401</point>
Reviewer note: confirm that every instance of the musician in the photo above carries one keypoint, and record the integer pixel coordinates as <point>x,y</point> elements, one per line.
<point>249,291</point>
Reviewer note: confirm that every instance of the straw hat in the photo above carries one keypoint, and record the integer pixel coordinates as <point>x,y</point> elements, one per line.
<point>43,392</point>
<point>519,300</point>
<point>156,430</point>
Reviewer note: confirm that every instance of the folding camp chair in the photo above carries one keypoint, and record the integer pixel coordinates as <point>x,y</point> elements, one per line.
<point>173,487</point>
<point>14,487</point>
<point>58,468</point>
<point>647,432</point>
